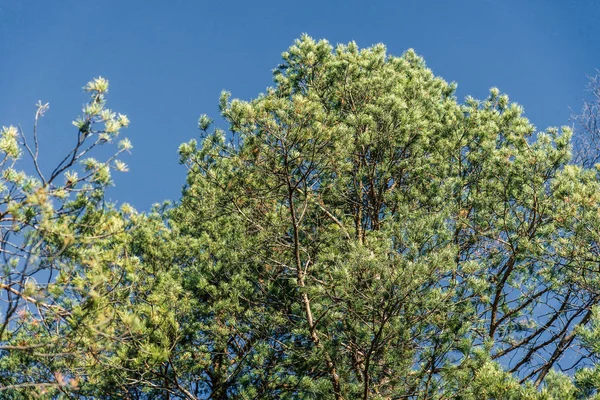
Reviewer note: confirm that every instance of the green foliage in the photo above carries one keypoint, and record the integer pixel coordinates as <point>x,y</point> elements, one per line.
<point>400,232</point>
<point>356,233</point>
<point>62,251</point>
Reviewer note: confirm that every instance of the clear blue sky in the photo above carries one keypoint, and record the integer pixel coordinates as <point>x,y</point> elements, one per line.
<point>167,61</point>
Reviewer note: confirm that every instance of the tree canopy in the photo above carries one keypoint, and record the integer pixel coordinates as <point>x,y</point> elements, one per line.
<point>355,232</point>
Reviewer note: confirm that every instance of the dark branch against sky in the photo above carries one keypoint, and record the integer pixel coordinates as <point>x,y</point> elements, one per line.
<point>167,61</point>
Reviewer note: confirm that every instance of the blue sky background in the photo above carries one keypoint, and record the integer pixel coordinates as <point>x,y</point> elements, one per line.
<point>167,61</point>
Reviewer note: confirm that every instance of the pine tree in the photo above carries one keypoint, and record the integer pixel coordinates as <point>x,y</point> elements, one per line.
<point>383,240</point>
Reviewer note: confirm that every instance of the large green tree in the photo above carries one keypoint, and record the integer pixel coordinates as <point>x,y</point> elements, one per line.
<point>358,233</point>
